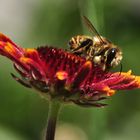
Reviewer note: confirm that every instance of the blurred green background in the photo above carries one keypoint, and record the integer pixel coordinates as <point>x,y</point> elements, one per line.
<point>32,23</point>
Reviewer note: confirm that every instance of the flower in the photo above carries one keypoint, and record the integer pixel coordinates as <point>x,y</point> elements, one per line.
<point>58,74</point>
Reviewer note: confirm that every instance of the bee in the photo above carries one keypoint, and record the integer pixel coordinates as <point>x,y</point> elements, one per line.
<point>96,48</point>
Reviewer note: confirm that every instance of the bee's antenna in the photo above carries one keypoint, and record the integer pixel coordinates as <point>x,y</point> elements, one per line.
<point>120,69</point>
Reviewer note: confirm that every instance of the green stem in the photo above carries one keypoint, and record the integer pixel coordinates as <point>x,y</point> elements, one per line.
<point>54,107</point>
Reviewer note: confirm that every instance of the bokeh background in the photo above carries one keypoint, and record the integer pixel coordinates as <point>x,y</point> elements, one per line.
<point>32,23</point>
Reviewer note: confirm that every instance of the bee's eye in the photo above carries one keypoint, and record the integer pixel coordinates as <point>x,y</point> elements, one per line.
<point>86,42</point>
<point>111,54</point>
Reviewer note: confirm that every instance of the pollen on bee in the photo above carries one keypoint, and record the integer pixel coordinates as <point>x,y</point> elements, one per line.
<point>97,59</point>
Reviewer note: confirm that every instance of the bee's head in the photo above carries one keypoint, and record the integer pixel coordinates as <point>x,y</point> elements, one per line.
<point>107,53</point>
<point>113,57</point>
<point>80,43</point>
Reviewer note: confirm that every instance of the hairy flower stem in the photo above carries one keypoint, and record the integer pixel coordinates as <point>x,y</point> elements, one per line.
<point>54,107</point>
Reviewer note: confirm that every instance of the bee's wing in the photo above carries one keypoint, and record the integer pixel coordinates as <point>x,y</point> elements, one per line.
<point>92,28</point>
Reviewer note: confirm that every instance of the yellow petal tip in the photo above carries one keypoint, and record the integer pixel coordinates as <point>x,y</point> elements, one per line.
<point>61,75</point>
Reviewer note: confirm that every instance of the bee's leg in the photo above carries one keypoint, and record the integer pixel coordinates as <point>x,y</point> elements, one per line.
<point>104,67</point>
<point>91,52</point>
<point>77,53</point>
<point>88,58</point>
